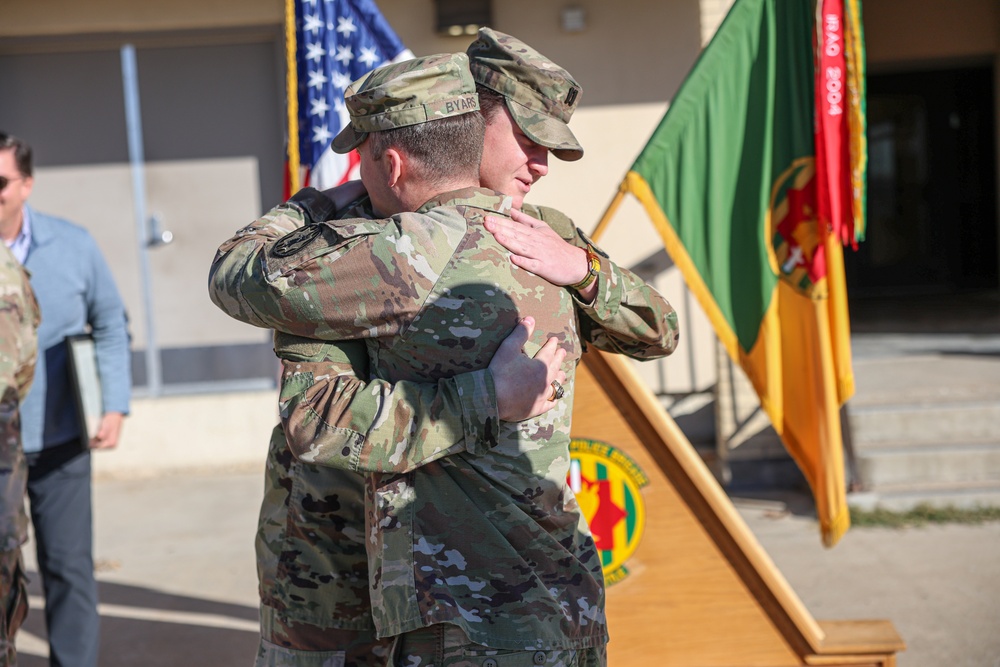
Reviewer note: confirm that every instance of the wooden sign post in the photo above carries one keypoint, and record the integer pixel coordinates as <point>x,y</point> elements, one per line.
<point>699,591</point>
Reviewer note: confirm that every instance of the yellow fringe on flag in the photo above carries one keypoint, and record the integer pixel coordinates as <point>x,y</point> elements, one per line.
<point>855,52</point>
<point>292,97</point>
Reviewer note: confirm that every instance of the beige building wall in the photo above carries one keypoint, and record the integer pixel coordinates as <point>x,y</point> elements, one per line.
<point>67,19</point>
<point>901,33</point>
<point>630,59</point>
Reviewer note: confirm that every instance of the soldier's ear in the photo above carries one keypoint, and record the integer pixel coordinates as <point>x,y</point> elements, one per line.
<point>397,166</point>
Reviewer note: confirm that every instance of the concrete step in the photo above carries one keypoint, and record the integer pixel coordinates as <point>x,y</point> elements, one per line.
<point>905,497</point>
<point>925,425</point>
<point>906,370</point>
<point>960,462</point>
<point>925,422</point>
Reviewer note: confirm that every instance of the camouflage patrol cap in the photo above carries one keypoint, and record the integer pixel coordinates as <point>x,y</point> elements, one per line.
<point>407,93</point>
<point>540,95</point>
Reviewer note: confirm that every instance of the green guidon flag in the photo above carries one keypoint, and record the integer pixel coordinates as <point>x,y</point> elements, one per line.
<point>732,181</point>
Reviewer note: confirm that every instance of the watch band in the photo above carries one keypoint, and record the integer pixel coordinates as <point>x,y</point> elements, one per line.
<point>594,262</point>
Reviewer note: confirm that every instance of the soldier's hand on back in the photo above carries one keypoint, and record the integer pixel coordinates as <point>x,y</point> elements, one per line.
<point>524,384</point>
<point>537,248</point>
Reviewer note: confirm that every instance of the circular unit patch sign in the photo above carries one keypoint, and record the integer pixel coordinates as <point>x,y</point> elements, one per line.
<point>607,485</point>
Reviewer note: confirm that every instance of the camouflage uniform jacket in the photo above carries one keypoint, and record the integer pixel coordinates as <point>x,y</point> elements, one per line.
<point>449,295</point>
<point>324,418</point>
<point>19,319</point>
<point>311,560</point>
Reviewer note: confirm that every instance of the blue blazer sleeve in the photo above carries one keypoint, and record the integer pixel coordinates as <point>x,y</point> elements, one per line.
<point>109,324</point>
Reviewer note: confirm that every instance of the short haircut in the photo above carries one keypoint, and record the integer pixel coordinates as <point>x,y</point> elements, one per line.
<point>490,102</point>
<point>22,152</point>
<point>442,150</point>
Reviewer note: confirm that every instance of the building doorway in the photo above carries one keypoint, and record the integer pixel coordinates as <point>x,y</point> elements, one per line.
<point>932,208</point>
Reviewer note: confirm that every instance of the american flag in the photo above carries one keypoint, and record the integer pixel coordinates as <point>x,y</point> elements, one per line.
<point>336,42</point>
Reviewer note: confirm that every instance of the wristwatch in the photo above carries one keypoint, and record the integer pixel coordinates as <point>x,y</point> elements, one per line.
<point>594,263</point>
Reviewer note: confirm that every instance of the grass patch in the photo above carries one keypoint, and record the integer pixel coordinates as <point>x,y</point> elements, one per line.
<point>922,515</point>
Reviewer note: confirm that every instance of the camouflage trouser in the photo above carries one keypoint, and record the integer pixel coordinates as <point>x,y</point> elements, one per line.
<point>446,645</point>
<point>13,603</point>
<point>286,643</point>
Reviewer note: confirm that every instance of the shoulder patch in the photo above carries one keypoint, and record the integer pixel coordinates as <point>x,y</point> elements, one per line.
<point>295,240</point>
<point>334,232</point>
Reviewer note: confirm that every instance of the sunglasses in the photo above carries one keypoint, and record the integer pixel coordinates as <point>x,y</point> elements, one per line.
<point>4,181</point>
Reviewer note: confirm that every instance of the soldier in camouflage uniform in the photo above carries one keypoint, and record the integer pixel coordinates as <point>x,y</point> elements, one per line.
<point>312,567</point>
<point>311,560</point>
<point>559,542</point>
<point>18,348</point>
<point>537,100</point>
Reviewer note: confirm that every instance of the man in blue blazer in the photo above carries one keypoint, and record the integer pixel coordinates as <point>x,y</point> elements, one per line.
<point>76,294</point>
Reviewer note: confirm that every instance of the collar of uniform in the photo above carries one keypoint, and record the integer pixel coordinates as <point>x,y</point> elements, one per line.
<point>359,208</point>
<point>483,198</point>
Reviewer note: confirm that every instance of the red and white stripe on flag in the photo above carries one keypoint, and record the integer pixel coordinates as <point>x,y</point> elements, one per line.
<point>331,44</point>
<point>833,161</point>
